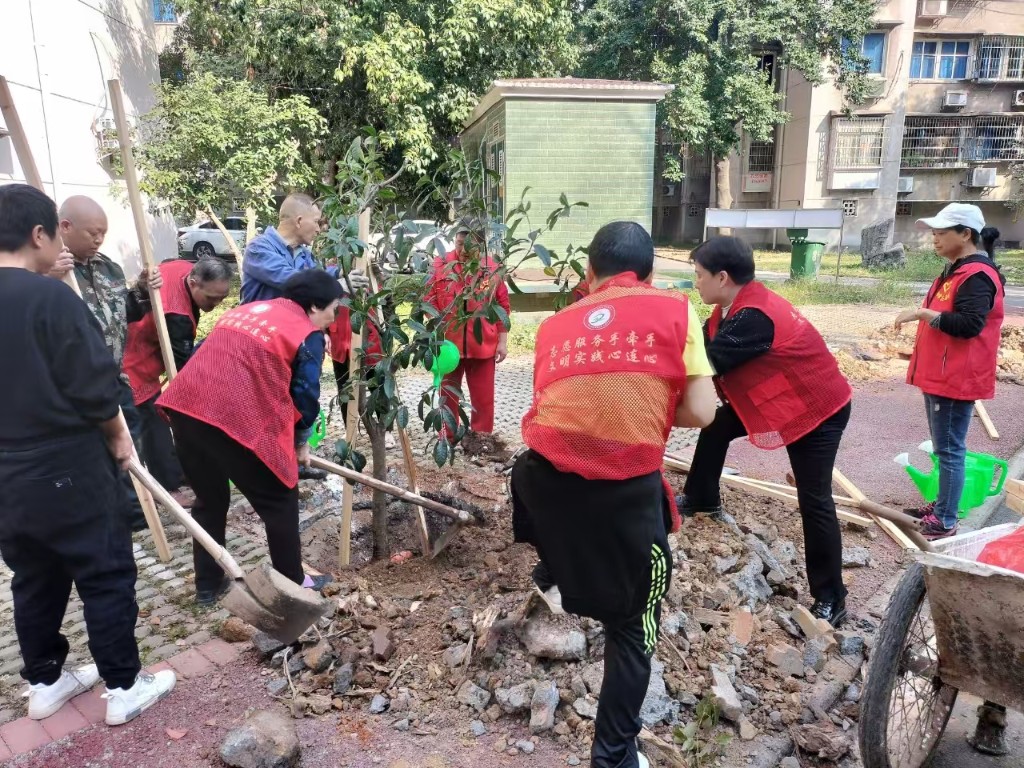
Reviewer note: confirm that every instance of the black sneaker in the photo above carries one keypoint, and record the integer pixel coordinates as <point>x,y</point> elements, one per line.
<point>919,513</point>
<point>687,509</point>
<point>208,597</point>
<point>832,611</point>
<point>319,582</point>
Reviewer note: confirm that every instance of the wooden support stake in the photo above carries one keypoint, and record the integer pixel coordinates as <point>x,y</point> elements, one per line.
<point>250,224</point>
<point>227,236</point>
<point>131,178</point>
<point>351,422</point>
<point>986,420</point>
<point>891,529</point>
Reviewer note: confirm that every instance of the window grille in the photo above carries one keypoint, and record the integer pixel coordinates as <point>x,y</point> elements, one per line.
<point>952,142</point>
<point>904,208</point>
<point>849,208</point>
<point>760,156</point>
<point>858,142</point>
<point>1000,58</point>
<point>694,211</point>
<point>164,12</point>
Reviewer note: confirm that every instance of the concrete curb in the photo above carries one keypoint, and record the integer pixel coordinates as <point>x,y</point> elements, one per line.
<point>979,518</point>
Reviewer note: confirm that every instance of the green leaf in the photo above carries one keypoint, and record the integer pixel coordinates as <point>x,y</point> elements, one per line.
<point>543,254</point>
<point>441,451</point>
<point>403,417</point>
<point>358,461</point>
<point>341,448</point>
<point>478,330</point>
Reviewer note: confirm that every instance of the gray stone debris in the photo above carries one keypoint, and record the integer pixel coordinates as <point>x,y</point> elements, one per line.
<point>849,643</point>
<point>724,565</point>
<point>456,655</point>
<point>759,548</point>
<point>856,557</point>
<point>525,746</point>
<point>816,653</point>
<point>725,696</point>
<point>593,675</point>
<point>515,699</point>
<point>379,704</point>
<point>474,696</point>
<point>343,679</point>
<point>658,706</point>
<point>785,551</point>
<point>543,706</point>
<point>265,645</point>
<point>478,729</point>
<point>265,740</point>
<point>787,659</point>
<point>586,708</point>
<point>876,248</point>
<point>750,583</point>
<point>546,639</point>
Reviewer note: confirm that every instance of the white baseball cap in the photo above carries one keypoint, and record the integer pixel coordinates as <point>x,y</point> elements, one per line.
<point>955,214</point>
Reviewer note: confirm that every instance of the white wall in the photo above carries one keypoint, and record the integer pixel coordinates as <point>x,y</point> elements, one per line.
<point>57,56</point>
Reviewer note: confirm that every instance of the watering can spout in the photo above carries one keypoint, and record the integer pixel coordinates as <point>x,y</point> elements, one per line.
<point>926,446</point>
<point>902,459</point>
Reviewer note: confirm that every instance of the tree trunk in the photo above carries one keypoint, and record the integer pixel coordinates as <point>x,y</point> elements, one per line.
<point>723,187</point>
<point>376,433</point>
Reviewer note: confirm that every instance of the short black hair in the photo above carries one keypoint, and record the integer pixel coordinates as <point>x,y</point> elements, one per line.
<point>731,255</point>
<point>975,235</point>
<point>22,209</point>
<point>621,246</point>
<point>210,270</point>
<point>312,289</point>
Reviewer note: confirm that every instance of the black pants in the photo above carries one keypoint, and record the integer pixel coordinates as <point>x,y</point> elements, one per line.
<point>211,459</point>
<point>132,507</point>
<point>812,458</point>
<point>604,543</point>
<point>62,522</point>
<point>341,376</point>
<point>157,447</point>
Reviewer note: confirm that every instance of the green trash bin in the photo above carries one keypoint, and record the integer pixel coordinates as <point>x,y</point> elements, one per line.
<point>805,258</point>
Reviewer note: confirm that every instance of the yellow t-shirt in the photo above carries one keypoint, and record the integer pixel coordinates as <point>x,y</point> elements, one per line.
<point>695,357</point>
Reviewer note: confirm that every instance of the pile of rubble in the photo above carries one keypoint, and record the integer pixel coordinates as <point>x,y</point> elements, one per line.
<point>460,645</point>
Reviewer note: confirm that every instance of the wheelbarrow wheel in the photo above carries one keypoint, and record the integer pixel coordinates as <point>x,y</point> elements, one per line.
<point>905,705</point>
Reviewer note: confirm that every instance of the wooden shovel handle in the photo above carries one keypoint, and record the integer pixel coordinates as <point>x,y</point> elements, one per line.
<point>217,552</point>
<point>393,490</point>
<point>906,523</point>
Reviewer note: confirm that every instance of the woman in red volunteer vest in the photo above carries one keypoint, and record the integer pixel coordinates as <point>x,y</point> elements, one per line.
<point>188,289</point>
<point>613,374</point>
<point>954,360</point>
<point>242,411</point>
<point>779,386</point>
<point>452,285</point>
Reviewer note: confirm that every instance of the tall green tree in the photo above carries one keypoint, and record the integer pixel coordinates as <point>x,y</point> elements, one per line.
<point>711,50</point>
<point>211,142</point>
<point>412,69</point>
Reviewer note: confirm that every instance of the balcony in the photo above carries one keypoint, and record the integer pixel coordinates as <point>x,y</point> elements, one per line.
<point>956,142</point>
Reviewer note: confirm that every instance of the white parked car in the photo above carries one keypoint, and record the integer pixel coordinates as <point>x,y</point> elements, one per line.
<point>426,238</point>
<point>204,239</point>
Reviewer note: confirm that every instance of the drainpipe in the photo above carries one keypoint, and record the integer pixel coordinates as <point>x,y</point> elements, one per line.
<point>44,97</point>
<point>781,133</point>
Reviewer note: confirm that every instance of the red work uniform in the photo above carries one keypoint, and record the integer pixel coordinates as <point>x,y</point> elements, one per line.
<point>448,282</point>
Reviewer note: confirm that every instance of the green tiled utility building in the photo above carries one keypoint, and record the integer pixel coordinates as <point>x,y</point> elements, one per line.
<point>591,139</point>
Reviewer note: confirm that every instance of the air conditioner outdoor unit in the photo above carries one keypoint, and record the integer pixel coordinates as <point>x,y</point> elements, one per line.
<point>106,124</point>
<point>954,99</point>
<point>906,184</point>
<point>983,177</point>
<point>875,87</point>
<point>1018,98</point>
<point>668,190</point>
<point>934,7</point>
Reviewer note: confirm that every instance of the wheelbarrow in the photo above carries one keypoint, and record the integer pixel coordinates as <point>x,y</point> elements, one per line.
<point>953,624</point>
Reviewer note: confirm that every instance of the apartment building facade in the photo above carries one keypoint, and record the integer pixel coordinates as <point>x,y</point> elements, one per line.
<point>945,122</point>
<point>57,56</point>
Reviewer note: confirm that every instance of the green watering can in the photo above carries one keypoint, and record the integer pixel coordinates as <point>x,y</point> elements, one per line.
<point>319,431</point>
<point>980,480</point>
<point>445,361</point>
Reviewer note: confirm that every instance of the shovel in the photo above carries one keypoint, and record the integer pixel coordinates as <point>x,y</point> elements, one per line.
<point>264,598</point>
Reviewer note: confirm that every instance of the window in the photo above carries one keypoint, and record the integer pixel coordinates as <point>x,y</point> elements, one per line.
<point>872,48</point>
<point>858,142</point>
<point>849,208</point>
<point>694,211</point>
<point>164,12</point>
<point>760,157</point>
<point>1000,58</point>
<point>904,208</point>
<point>953,142</point>
<point>940,59</point>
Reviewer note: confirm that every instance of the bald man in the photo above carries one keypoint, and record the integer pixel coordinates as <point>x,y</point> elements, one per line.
<point>83,227</point>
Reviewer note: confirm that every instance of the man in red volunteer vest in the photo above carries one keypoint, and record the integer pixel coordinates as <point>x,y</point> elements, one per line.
<point>954,360</point>
<point>242,411</point>
<point>458,290</point>
<point>188,289</point>
<point>781,387</point>
<point>614,372</point>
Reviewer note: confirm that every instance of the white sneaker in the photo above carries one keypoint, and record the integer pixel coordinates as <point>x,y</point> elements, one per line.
<point>127,704</point>
<point>552,598</point>
<point>642,760</point>
<point>45,700</point>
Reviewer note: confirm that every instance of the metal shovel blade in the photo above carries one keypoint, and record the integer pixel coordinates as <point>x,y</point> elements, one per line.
<point>275,604</point>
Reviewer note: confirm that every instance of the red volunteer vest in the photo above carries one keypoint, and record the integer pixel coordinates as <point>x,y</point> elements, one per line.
<point>612,359</point>
<point>340,334</point>
<point>448,283</point>
<point>143,362</point>
<point>947,366</point>
<point>785,393</point>
<point>239,379</point>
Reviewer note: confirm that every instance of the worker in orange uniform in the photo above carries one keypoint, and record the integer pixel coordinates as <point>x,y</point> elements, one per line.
<point>457,292</point>
<point>614,372</point>
<point>188,289</point>
<point>781,387</point>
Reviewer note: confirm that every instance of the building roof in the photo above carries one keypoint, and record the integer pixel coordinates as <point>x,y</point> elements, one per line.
<point>563,88</point>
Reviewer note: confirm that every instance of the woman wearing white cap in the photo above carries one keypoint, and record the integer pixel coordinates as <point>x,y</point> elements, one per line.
<point>954,360</point>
